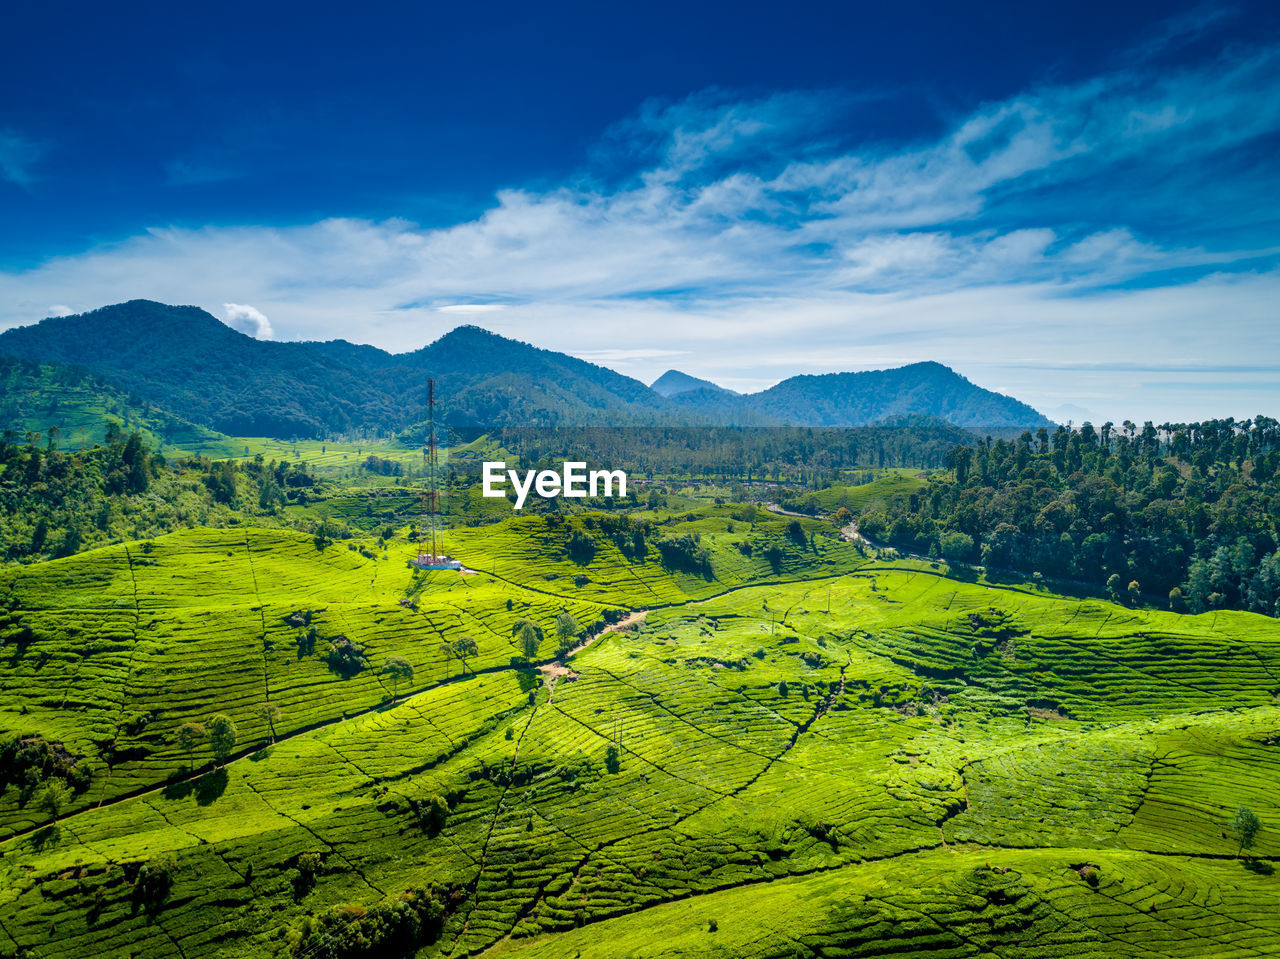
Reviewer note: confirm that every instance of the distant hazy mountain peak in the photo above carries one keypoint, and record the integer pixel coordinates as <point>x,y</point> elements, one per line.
<point>673,381</point>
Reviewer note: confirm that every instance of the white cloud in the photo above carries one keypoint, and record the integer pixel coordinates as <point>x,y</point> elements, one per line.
<point>470,308</point>
<point>59,309</point>
<point>990,246</point>
<point>246,319</point>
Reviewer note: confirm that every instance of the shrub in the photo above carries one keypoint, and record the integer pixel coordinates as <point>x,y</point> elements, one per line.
<point>153,883</point>
<point>581,547</point>
<point>389,928</point>
<point>345,657</point>
<point>684,554</point>
<point>30,760</point>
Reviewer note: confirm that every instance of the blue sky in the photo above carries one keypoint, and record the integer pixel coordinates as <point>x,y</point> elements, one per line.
<point>1078,206</point>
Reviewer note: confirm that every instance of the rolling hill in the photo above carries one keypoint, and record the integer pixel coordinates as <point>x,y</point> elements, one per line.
<point>839,757</point>
<point>82,405</point>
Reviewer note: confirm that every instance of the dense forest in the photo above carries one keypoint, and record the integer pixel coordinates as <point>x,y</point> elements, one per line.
<point>1186,513</point>
<point>813,456</point>
<point>56,503</point>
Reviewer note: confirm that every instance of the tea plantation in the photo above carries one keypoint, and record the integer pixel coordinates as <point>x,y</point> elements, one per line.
<point>786,748</point>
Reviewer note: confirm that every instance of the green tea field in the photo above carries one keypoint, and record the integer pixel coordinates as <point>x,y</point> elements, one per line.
<point>782,748</point>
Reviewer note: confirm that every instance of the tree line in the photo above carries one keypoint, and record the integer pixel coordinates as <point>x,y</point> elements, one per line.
<point>1188,513</point>
<point>56,503</point>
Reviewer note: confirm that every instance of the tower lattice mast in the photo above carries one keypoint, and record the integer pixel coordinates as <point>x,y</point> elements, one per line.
<point>430,495</point>
<point>435,559</point>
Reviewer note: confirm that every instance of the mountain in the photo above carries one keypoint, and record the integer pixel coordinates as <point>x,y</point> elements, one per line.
<point>921,389</point>
<point>486,379</point>
<point>185,362</point>
<point>674,382</point>
<point>188,362</point>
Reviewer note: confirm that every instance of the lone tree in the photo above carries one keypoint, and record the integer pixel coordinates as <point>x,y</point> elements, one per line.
<point>188,737</point>
<point>271,713</point>
<point>462,649</point>
<point>1245,825</point>
<point>529,635</point>
<point>53,797</point>
<point>398,668</point>
<point>612,759</point>
<point>566,628</point>
<point>222,736</point>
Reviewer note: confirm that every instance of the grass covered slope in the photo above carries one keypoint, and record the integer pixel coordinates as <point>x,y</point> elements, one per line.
<point>835,757</point>
<point>111,651</point>
<point>73,408</point>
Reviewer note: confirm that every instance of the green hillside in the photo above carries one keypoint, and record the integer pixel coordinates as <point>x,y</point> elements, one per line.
<point>38,397</point>
<point>830,756</point>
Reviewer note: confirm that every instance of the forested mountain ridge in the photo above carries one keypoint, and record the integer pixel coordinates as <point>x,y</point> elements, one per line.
<point>485,379</point>
<point>919,389</point>
<point>185,361</point>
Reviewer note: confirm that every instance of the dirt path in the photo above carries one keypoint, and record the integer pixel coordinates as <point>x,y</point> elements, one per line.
<point>556,669</point>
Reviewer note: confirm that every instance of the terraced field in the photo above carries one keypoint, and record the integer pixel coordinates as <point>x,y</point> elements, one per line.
<point>834,757</point>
